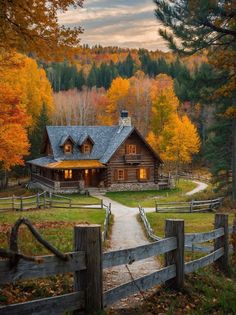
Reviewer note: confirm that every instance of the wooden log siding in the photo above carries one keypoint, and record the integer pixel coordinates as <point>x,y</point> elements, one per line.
<point>130,255</point>
<point>49,266</point>
<point>48,306</point>
<point>141,284</point>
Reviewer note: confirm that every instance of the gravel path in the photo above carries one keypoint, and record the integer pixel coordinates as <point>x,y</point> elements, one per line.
<point>127,232</point>
<point>201,186</point>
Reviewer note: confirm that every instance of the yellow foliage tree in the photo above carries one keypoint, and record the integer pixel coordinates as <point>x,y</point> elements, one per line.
<point>116,95</point>
<point>23,75</point>
<point>164,103</point>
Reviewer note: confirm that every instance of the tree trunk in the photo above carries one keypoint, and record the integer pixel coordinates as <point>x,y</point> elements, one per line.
<point>234,160</point>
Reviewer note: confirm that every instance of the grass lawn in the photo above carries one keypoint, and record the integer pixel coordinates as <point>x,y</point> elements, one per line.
<point>194,222</point>
<point>55,225</point>
<point>147,198</point>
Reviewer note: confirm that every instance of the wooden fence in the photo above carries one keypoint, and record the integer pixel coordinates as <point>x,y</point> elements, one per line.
<point>191,206</point>
<point>87,262</point>
<point>106,222</point>
<point>43,200</point>
<point>191,243</point>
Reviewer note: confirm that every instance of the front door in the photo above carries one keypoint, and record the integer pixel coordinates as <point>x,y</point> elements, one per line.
<point>87,178</point>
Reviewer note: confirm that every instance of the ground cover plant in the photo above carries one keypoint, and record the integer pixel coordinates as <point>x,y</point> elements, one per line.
<point>208,291</point>
<point>147,198</point>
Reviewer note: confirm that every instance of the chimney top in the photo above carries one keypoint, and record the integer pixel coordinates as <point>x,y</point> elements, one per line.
<point>124,114</point>
<point>124,120</point>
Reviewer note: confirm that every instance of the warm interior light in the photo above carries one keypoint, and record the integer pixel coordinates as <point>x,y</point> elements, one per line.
<point>143,173</point>
<point>68,174</point>
<point>86,172</point>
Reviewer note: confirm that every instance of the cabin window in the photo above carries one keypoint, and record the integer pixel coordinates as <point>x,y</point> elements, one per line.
<point>143,173</point>
<point>86,148</point>
<point>68,148</point>
<point>131,149</point>
<point>68,174</point>
<point>121,174</point>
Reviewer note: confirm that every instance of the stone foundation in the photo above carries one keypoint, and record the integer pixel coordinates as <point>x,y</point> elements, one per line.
<point>133,186</point>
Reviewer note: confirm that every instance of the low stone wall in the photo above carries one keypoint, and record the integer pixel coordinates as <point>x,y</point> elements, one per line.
<point>133,186</point>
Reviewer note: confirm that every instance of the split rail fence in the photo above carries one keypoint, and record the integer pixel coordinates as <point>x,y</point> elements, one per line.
<point>191,243</point>
<point>43,200</point>
<point>191,206</point>
<point>87,263</point>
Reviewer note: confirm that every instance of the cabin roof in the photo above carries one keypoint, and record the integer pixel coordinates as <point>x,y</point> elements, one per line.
<point>106,140</point>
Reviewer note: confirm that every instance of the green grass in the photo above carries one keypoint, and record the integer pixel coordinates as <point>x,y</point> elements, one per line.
<point>193,222</point>
<point>55,225</point>
<point>147,198</point>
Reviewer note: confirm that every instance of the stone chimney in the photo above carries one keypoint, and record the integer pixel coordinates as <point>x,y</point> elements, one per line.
<point>124,120</point>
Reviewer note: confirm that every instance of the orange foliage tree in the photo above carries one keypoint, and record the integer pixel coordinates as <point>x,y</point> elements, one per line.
<point>24,89</point>
<point>33,27</point>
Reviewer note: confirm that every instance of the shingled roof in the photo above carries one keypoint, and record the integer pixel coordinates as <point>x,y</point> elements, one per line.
<point>106,139</point>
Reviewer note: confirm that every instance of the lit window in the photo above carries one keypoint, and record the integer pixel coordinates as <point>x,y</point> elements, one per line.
<point>86,172</point>
<point>143,173</point>
<point>68,174</point>
<point>86,148</point>
<point>131,149</point>
<point>120,174</point>
<point>68,148</point>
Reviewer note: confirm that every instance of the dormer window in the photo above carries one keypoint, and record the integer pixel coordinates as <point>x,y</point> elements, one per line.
<point>68,148</point>
<point>86,148</point>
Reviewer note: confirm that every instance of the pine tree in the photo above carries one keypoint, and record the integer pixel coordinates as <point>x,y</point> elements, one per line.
<point>92,77</point>
<point>36,136</point>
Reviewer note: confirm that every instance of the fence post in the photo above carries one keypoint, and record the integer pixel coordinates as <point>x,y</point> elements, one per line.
<point>44,199</point>
<point>221,221</point>
<point>21,203</point>
<point>191,206</point>
<point>156,207</point>
<point>37,200</point>
<point>88,238</point>
<point>101,203</point>
<point>175,228</point>
<point>50,199</point>
<point>13,202</point>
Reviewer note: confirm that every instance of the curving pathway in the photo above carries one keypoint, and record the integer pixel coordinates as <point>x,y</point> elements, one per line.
<point>201,186</point>
<point>127,232</point>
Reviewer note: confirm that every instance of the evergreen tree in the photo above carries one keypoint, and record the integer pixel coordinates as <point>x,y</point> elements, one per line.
<point>194,25</point>
<point>36,136</point>
<point>92,77</point>
<point>80,80</point>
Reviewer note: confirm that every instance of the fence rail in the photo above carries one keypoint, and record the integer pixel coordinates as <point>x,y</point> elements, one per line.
<point>191,239</point>
<point>87,263</point>
<point>43,200</point>
<point>191,206</point>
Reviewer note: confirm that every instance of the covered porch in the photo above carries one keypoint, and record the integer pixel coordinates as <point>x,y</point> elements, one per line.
<point>70,175</point>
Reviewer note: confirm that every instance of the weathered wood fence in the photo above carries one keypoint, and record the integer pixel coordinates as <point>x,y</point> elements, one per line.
<point>191,206</point>
<point>106,222</point>
<point>43,200</point>
<point>87,263</point>
<point>191,243</point>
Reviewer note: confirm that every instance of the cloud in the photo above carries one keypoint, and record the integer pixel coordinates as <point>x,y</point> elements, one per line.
<point>117,23</point>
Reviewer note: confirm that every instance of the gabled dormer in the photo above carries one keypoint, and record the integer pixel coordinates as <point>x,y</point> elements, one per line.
<point>67,143</point>
<point>85,143</point>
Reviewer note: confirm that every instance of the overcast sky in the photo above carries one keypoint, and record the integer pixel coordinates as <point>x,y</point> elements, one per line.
<point>124,23</point>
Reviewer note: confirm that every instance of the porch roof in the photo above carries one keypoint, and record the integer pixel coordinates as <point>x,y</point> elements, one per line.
<point>49,162</point>
<point>82,164</point>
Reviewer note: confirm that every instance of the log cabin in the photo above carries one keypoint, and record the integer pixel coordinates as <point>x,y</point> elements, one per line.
<point>113,158</point>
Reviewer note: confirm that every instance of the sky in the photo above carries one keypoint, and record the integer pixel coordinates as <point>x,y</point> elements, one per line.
<point>123,23</point>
